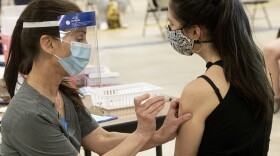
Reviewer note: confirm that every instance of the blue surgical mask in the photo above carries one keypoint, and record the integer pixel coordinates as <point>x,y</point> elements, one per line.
<point>78,60</point>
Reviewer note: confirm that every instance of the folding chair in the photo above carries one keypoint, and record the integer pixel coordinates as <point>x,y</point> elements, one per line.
<point>155,7</point>
<point>256,3</point>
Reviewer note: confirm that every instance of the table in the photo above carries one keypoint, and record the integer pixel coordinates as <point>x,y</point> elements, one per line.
<point>127,122</point>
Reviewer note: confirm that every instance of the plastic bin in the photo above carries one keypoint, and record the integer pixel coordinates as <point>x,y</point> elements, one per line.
<point>121,96</point>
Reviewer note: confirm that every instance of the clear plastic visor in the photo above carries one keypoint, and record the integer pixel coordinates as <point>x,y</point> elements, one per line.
<point>79,28</point>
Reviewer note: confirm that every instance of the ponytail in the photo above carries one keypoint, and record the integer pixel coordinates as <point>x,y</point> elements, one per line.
<point>14,60</point>
<point>244,65</point>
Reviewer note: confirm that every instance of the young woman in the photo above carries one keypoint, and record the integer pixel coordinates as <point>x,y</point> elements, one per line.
<point>46,116</point>
<point>232,102</point>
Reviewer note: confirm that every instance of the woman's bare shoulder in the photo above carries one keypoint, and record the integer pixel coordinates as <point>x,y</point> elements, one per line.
<point>195,95</point>
<point>195,87</point>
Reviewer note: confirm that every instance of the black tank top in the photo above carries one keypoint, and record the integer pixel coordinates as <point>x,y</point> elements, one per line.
<point>232,128</point>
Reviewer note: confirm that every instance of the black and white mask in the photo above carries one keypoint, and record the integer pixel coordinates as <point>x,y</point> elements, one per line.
<point>180,42</point>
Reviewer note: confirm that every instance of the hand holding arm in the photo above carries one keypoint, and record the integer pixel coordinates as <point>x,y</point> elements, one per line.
<point>146,115</point>
<point>168,130</point>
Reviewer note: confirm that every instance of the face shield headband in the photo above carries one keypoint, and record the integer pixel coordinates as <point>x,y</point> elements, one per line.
<point>82,52</point>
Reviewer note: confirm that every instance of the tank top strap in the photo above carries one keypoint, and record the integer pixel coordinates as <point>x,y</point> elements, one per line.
<point>217,91</point>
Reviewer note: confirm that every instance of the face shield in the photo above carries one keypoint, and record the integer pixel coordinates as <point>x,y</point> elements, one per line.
<point>78,33</point>
<point>78,38</point>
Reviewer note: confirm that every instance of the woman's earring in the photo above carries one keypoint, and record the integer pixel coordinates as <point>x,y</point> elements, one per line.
<point>198,42</point>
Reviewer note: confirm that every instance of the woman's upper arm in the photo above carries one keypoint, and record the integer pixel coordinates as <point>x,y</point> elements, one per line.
<point>193,100</point>
<point>189,137</point>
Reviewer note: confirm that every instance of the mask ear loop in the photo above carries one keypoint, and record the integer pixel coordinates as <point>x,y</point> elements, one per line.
<point>53,53</point>
<point>198,42</point>
<point>61,40</point>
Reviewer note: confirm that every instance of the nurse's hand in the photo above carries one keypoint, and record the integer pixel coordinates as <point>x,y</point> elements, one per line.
<point>168,130</point>
<point>146,113</point>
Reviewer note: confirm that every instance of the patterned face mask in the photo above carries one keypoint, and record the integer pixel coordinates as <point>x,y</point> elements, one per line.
<point>180,42</point>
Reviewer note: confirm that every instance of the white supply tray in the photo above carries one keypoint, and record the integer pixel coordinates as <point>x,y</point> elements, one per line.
<point>121,96</point>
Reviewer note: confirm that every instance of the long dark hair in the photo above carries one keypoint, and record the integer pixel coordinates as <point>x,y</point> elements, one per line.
<point>25,42</point>
<point>229,29</point>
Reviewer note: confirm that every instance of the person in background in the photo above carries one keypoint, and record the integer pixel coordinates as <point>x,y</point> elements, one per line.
<point>102,6</point>
<point>232,102</point>
<point>46,116</point>
<point>272,56</point>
